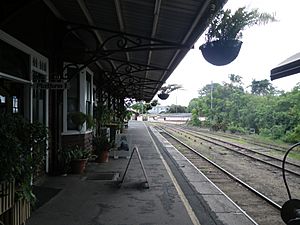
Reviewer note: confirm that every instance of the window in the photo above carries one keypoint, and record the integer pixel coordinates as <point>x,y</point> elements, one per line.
<point>88,94</point>
<point>2,99</point>
<point>77,98</point>
<point>15,104</point>
<point>13,61</point>
<point>72,98</point>
<point>39,99</point>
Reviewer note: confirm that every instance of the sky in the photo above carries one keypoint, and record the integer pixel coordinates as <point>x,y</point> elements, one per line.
<point>263,48</point>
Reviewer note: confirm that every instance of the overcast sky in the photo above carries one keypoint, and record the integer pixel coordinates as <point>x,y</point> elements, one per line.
<point>263,48</point>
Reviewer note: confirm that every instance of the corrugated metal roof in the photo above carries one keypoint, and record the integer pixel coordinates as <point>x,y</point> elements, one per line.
<point>145,34</point>
<point>288,67</point>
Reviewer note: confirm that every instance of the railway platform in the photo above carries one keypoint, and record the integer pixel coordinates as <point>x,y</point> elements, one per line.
<point>176,192</point>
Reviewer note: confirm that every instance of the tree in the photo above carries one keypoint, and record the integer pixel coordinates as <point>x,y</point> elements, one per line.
<point>271,113</point>
<point>177,109</point>
<point>195,118</point>
<point>141,107</point>
<point>192,104</point>
<point>262,87</point>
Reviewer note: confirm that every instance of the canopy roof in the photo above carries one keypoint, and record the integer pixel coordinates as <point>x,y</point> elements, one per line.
<point>288,67</point>
<point>134,44</point>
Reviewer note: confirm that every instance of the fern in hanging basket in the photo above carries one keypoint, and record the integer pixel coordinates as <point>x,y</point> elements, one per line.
<point>166,90</point>
<point>163,96</point>
<point>225,31</point>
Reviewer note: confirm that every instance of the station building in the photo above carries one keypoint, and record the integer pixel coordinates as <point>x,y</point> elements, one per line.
<point>59,57</point>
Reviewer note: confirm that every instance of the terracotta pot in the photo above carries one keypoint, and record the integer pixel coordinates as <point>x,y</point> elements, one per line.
<point>103,157</point>
<point>78,166</point>
<point>221,52</point>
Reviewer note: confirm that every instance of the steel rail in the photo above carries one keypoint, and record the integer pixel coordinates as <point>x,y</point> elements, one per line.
<point>268,200</point>
<point>238,146</point>
<point>251,141</point>
<point>237,137</point>
<point>249,156</point>
<point>241,147</point>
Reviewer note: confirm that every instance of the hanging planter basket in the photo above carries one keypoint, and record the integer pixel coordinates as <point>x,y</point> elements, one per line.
<point>163,96</point>
<point>221,52</point>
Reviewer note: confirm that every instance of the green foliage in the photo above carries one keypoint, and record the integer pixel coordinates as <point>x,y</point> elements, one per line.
<point>90,123</point>
<point>192,104</point>
<point>78,118</point>
<point>154,102</point>
<point>103,115</point>
<point>128,115</point>
<point>177,109</point>
<point>140,107</point>
<point>234,129</point>
<point>101,144</point>
<point>293,136</point>
<point>169,88</point>
<point>73,152</point>
<point>271,113</point>
<point>23,146</point>
<point>148,106</point>
<point>195,120</point>
<point>228,26</point>
<point>262,87</point>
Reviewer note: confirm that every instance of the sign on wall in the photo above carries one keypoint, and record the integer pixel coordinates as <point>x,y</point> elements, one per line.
<point>51,85</point>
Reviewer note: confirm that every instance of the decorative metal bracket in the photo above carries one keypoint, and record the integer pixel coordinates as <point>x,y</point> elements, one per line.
<point>121,41</point>
<point>116,42</point>
<point>122,75</point>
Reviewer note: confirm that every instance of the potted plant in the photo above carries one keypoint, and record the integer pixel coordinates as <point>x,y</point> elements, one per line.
<point>166,90</point>
<point>225,31</point>
<point>22,152</point>
<point>78,119</point>
<point>76,157</point>
<point>154,102</point>
<point>101,148</point>
<point>90,123</point>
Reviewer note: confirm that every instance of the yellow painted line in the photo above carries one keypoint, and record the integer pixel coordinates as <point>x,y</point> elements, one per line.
<point>186,204</point>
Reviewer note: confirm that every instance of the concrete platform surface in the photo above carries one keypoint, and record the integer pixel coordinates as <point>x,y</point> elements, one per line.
<point>216,203</point>
<point>85,200</point>
<point>178,194</point>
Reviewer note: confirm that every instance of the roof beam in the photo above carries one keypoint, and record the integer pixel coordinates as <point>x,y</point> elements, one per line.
<point>191,29</point>
<point>121,22</point>
<point>154,28</point>
<point>21,7</point>
<point>90,20</point>
<point>55,11</point>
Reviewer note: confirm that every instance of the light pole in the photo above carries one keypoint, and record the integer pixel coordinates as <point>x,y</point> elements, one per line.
<point>211,95</point>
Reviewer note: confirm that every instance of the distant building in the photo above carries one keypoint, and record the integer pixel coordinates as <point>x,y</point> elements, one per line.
<point>159,109</point>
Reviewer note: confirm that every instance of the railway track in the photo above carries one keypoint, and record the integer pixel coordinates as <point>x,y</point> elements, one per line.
<point>275,162</point>
<point>243,138</point>
<point>261,208</point>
